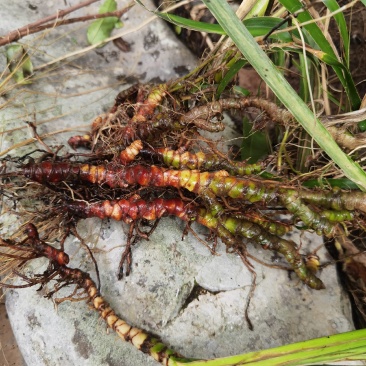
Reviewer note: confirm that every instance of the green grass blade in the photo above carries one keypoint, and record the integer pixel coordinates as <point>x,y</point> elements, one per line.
<point>255,144</point>
<point>332,348</point>
<point>320,55</point>
<point>318,37</point>
<point>332,5</point>
<point>304,88</point>
<point>234,69</point>
<point>258,9</point>
<point>315,32</point>
<point>283,90</point>
<point>191,24</point>
<point>259,26</point>
<point>342,183</point>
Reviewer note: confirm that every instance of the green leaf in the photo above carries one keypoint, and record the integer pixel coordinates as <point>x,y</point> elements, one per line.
<point>234,69</point>
<point>285,93</point>
<point>293,6</point>
<point>108,6</point>
<point>19,63</point>
<point>342,183</point>
<point>191,24</point>
<point>259,26</point>
<point>338,347</point>
<point>332,5</point>
<point>258,9</point>
<point>320,55</point>
<point>255,144</point>
<point>315,32</point>
<point>101,29</point>
<point>362,126</point>
<point>241,91</point>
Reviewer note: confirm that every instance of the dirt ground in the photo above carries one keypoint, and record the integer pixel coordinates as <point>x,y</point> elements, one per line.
<point>9,352</point>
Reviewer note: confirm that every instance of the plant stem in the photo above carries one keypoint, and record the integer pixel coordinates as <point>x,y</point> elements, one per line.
<point>39,28</point>
<point>19,33</point>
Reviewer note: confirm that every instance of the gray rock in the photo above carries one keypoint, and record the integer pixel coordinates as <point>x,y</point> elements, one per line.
<point>166,269</point>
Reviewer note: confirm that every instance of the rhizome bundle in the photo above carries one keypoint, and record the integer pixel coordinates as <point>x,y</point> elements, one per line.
<point>152,155</point>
